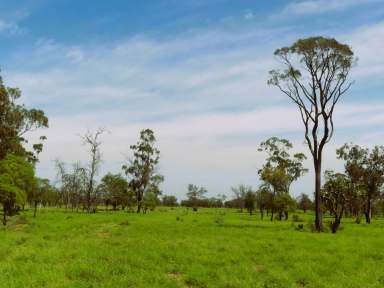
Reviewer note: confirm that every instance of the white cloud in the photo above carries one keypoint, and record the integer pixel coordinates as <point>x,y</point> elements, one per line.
<point>9,27</point>
<point>308,7</point>
<point>204,94</point>
<point>249,15</point>
<point>367,43</point>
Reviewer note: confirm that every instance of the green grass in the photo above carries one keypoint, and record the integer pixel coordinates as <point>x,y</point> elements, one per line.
<point>180,248</point>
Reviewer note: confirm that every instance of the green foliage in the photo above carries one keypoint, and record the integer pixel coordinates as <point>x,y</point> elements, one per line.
<point>240,192</point>
<point>281,168</point>
<point>169,200</point>
<point>195,195</point>
<point>304,202</point>
<point>279,172</point>
<point>150,201</point>
<point>314,76</point>
<point>142,167</point>
<point>15,122</point>
<point>17,179</point>
<point>196,192</point>
<point>365,169</point>
<point>250,202</point>
<point>334,196</point>
<point>73,185</point>
<point>115,190</point>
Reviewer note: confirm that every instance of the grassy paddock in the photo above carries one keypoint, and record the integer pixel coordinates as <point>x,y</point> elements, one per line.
<point>180,248</point>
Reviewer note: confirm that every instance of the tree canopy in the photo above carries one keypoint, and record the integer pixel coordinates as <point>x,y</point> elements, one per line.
<point>16,121</point>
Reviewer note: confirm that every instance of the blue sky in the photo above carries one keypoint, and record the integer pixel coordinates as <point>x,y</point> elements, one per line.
<point>193,71</point>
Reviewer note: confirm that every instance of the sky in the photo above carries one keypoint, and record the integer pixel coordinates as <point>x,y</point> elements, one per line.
<point>195,72</point>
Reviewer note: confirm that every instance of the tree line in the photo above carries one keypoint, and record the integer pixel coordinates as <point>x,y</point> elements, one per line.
<point>314,75</point>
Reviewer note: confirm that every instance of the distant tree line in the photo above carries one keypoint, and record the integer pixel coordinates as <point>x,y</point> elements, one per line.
<point>314,75</point>
<point>77,187</point>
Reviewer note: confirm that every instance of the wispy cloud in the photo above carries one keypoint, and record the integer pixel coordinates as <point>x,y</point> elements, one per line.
<point>367,43</point>
<point>9,27</point>
<point>200,92</point>
<point>309,7</point>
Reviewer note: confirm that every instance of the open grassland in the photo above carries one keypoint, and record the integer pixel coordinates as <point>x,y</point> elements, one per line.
<point>180,248</point>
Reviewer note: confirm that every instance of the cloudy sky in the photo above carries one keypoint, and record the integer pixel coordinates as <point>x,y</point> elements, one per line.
<point>193,71</point>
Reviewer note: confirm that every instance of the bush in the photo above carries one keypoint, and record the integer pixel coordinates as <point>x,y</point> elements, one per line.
<point>296,218</point>
<point>219,219</point>
<point>300,227</point>
<point>178,218</point>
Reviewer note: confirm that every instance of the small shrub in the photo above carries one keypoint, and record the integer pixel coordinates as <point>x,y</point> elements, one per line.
<point>21,241</point>
<point>300,227</point>
<point>178,218</point>
<point>20,220</point>
<point>219,219</point>
<point>296,218</point>
<point>124,223</point>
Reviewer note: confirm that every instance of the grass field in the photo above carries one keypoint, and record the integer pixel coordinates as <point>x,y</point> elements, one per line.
<point>180,248</point>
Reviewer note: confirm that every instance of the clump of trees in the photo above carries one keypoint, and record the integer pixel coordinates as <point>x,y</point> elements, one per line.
<point>364,169</point>
<point>141,186</point>
<point>278,173</point>
<point>115,191</point>
<point>304,202</point>
<point>17,180</point>
<point>240,193</point>
<point>17,175</point>
<point>169,200</point>
<point>196,197</point>
<point>334,196</point>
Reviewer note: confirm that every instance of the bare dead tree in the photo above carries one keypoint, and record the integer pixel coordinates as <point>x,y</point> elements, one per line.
<point>92,141</point>
<point>315,77</point>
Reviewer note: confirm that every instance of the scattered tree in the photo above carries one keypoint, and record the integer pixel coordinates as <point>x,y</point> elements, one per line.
<point>264,199</point>
<point>240,193</point>
<point>334,196</point>
<point>114,189</point>
<point>37,193</point>
<point>142,168</point>
<point>15,122</point>
<point>304,202</point>
<point>365,168</point>
<point>195,195</point>
<point>169,200</point>
<point>92,140</point>
<point>17,177</point>
<point>250,201</point>
<point>280,171</point>
<point>150,201</point>
<point>315,77</point>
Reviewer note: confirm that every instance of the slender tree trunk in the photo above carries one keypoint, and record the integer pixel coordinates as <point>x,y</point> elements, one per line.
<point>34,211</point>
<point>318,211</point>
<point>138,206</point>
<point>4,214</point>
<point>336,224</point>
<point>368,211</point>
